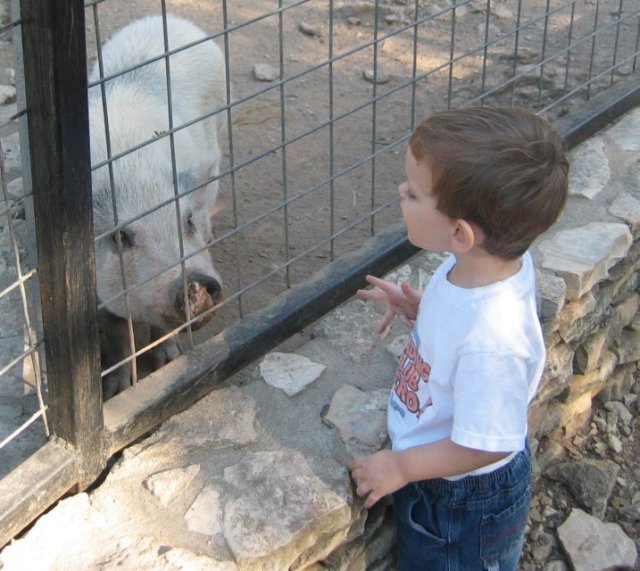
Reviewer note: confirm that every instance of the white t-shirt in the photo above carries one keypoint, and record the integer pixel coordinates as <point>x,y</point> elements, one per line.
<point>471,366</point>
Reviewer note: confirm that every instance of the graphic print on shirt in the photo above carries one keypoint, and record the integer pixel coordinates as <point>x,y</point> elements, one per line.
<point>411,371</point>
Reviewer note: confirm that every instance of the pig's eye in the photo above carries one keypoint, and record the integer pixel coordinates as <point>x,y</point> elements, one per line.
<point>190,226</point>
<point>127,239</point>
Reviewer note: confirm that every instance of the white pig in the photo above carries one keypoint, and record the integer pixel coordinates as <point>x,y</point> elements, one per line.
<point>139,187</point>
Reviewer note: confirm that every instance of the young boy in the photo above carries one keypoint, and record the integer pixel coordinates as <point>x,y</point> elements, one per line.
<point>482,184</point>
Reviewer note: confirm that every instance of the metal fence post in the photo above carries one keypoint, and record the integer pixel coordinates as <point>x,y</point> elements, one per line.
<point>56,98</point>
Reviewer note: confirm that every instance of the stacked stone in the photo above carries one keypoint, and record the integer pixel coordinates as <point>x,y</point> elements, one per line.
<point>589,277</point>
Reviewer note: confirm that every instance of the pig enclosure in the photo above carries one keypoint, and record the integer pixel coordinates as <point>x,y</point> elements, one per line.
<point>319,100</point>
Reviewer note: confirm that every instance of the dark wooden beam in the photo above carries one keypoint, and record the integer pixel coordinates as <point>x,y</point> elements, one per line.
<point>55,71</point>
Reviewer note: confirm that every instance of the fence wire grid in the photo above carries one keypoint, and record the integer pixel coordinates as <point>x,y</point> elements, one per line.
<point>323,95</point>
<point>316,100</point>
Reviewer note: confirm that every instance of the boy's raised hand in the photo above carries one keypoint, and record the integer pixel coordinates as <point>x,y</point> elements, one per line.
<point>402,301</point>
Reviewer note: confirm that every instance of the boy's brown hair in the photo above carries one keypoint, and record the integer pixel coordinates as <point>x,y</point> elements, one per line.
<point>503,169</point>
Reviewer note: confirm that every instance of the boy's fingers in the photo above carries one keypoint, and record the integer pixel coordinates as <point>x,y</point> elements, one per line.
<point>406,321</point>
<point>384,322</point>
<point>373,280</point>
<point>380,283</point>
<point>363,294</point>
<point>355,464</point>
<point>371,501</point>
<point>363,488</point>
<point>410,293</point>
<point>370,294</point>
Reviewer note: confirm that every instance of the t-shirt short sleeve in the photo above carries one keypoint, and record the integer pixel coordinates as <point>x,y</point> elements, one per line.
<point>490,397</point>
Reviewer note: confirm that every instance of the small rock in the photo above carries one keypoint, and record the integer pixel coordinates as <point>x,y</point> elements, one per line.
<point>536,516</point>
<point>600,448</point>
<point>556,565</point>
<point>626,207</point>
<point>396,347</point>
<point>620,410</point>
<point>169,484</point>
<point>503,12</point>
<point>535,532</point>
<point>265,72</point>
<point>277,501</point>
<point>289,372</point>
<point>584,255</point>
<point>578,441</point>
<point>523,56</point>
<point>360,417</point>
<point>310,29</point>
<point>12,153</point>
<point>630,513</point>
<point>7,94</point>
<point>601,423</point>
<point>546,500</point>
<point>15,188</point>
<point>434,9</point>
<point>617,502</point>
<point>592,544</point>
<point>614,443</point>
<point>541,551</point>
<point>625,133</point>
<point>205,515</point>
<point>589,481</point>
<point>378,78</point>
<point>629,399</point>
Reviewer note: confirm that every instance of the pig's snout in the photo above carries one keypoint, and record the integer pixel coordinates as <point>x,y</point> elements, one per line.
<point>203,292</point>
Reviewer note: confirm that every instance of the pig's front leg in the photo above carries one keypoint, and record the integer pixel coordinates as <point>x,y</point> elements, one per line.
<point>164,353</point>
<point>114,347</point>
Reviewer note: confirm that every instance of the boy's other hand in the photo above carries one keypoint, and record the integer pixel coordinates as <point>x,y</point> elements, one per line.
<point>376,476</point>
<point>402,301</point>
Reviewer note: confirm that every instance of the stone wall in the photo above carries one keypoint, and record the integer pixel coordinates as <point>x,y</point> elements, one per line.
<point>588,279</point>
<point>254,475</point>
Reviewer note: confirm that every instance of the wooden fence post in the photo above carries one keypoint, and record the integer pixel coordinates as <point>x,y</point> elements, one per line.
<point>55,71</point>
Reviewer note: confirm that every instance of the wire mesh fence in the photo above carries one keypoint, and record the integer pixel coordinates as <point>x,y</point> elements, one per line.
<point>23,421</point>
<point>321,96</point>
<point>239,150</point>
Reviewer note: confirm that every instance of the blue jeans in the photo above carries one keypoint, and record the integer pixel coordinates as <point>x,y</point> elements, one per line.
<point>473,524</point>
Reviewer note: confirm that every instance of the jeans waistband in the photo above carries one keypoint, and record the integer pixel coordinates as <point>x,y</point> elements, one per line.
<point>520,462</point>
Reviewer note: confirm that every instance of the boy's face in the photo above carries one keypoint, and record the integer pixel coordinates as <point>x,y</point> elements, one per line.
<point>426,226</point>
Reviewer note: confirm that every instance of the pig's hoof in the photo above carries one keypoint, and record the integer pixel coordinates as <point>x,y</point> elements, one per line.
<point>164,353</point>
<point>116,382</point>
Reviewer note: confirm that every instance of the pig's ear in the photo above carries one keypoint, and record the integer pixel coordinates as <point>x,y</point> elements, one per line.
<point>199,178</point>
<point>186,181</point>
<point>200,189</point>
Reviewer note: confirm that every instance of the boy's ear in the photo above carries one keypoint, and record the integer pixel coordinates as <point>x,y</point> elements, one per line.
<point>463,237</point>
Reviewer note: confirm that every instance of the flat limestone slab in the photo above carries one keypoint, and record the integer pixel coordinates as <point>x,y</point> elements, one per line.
<point>583,256</point>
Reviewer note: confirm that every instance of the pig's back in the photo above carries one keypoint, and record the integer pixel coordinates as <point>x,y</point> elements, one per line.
<point>197,73</point>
